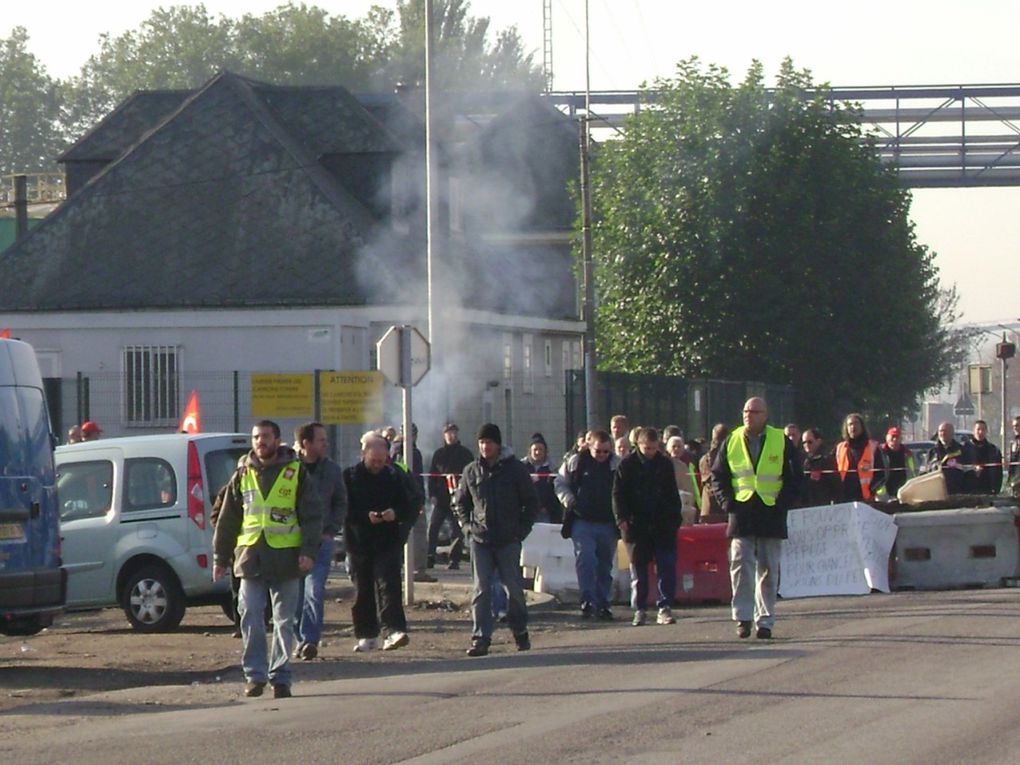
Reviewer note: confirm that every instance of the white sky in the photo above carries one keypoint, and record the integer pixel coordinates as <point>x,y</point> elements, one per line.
<point>976,232</point>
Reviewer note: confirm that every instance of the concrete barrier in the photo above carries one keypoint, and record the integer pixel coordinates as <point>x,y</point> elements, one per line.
<point>939,549</point>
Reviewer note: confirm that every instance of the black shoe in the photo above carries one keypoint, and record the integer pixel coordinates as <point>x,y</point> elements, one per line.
<point>253,689</point>
<point>453,565</point>
<point>430,561</point>
<point>281,692</point>
<point>743,630</point>
<point>523,642</point>
<point>236,633</point>
<point>763,633</point>
<point>605,615</point>
<point>478,649</point>
<point>587,611</point>
<point>309,651</point>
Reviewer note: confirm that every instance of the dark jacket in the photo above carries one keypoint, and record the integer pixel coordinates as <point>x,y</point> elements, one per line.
<point>329,482</point>
<point>646,497</point>
<point>496,504</point>
<point>899,468</point>
<point>949,459</point>
<point>754,518</point>
<point>1014,459</point>
<point>448,459</point>
<point>368,492</point>
<point>549,508</point>
<point>260,560</point>
<point>586,488</point>
<point>989,480</point>
<point>820,483</point>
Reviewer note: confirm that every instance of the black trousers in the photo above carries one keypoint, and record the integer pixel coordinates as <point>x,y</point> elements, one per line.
<point>377,580</point>
<point>441,512</point>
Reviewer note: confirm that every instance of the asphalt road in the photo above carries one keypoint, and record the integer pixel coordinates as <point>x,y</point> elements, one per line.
<point>902,678</point>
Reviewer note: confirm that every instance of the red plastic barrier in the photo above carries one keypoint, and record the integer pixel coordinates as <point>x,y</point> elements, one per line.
<point>702,566</point>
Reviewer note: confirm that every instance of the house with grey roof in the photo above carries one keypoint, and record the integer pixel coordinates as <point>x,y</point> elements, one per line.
<point>243,228</point>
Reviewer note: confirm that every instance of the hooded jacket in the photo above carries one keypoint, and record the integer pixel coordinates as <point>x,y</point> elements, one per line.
<point>260,561</point>
<point>496,503</point>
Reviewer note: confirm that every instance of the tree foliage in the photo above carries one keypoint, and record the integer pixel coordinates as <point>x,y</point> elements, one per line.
<point>182,46</point>
<point>747,234</point>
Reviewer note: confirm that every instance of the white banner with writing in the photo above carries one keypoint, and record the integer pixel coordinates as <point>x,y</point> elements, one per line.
<point>836,550</point>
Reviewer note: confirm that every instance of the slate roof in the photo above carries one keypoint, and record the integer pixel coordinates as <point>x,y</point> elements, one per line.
<point>124,126</point>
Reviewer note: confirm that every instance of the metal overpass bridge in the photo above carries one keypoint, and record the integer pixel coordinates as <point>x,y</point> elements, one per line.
<point>937,136</point>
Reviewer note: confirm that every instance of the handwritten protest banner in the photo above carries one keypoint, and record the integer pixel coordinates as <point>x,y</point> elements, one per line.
<point>836,550</point>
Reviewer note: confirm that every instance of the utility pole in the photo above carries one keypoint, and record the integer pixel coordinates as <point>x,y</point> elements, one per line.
<point>432,208</point>
<point>590,392</point>
<point>547,49</point>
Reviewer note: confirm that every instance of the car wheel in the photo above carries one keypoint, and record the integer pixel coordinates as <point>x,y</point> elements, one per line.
<point>152,600</point>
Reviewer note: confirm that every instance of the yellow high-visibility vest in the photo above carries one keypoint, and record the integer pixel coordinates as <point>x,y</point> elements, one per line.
<point>275,514</point>
<point>767,480</point>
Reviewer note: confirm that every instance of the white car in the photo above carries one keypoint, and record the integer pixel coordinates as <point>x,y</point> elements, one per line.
<point>134,522</point>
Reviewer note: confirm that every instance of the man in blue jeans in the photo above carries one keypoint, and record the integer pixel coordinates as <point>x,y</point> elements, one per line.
<point>584,485</point>
<point>496,504</point>
<point>646,504</point>
<point>313,448</point>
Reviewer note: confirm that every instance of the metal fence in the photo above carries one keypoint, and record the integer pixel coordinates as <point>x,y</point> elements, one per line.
<point>659,400</point>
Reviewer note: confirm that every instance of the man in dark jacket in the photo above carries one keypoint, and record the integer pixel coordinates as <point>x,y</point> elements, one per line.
<point>756,478</point>
<point>585,487</point>
<point>313,447</point>
<point>1013,469</point>
<point>448,462</point>
<point>947,456</point>
<point>898,461</point>
<point>377,505</point>
<point>495,503</point>
<point>270,524</point>
<point>543,474</point>
<point>820,484</point>
<point>984,462</point>
<point>646,504</point>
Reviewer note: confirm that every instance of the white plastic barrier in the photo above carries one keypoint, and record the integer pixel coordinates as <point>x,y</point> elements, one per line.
<point>552,557</point>
<point>937,549</point>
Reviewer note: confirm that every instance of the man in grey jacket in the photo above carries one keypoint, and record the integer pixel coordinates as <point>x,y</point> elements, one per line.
<point>313,447</point>
<point>496,504</point>
<point>271,525</point>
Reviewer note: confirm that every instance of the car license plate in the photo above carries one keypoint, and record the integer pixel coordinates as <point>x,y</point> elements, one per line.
<point>10,531</point>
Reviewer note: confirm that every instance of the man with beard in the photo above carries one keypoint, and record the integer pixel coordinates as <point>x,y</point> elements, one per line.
<point>270,523</point>
<point>857,461</point>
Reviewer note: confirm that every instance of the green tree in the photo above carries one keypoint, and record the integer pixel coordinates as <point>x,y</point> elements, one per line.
<point>29,109</point>
<point>747,234</point>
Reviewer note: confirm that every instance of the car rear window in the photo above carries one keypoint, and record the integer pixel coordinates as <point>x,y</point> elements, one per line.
<point>220,464</point>
<point>84,489</point>
<point>149,483</point>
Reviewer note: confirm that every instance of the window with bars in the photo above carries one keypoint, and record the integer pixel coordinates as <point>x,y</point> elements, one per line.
<point>508,358</point>
<point>151,384</point>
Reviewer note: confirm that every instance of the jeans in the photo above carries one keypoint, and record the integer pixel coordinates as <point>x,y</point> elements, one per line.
<point>311,604</point>
<point>754,574</point>
<point>379,588</point>
<point>500,601</point>
<point>594,548</point>
<point>506,561</point>
<point>252,604</point>
<point>641,555</point>
<point>441,512</point>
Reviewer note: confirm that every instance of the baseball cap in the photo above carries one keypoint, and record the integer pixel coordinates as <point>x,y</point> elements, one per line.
<point>893,431</point>
<point>89,427</point>
<point>450,426</point>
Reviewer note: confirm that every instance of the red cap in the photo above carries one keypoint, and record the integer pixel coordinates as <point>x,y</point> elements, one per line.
<point>90,427</point>
<point>893,431</point>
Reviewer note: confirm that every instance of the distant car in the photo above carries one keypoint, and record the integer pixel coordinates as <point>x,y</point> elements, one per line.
<point>134,515</point>
<point>920,451</point>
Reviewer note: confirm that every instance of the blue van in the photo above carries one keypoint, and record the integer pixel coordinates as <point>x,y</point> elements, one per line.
<point>32,580</point>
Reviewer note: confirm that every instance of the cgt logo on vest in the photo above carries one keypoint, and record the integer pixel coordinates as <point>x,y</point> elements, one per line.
<point>284,491</point>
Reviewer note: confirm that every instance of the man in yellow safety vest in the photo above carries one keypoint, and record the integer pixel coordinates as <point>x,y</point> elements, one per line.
<point>756,478</point>
<point>270,523</point>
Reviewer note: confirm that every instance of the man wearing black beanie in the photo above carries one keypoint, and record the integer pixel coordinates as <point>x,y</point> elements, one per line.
<point>495,503</point>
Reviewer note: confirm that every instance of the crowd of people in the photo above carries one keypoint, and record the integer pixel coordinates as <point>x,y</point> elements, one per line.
<point>276,520</point>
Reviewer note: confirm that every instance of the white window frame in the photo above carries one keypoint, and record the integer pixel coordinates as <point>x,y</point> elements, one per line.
<point>508,358</point>
<point>548,358</point>
<point>152,385</point>
<point>527,354</point>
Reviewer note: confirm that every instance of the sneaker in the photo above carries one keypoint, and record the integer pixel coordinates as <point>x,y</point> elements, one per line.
<point>743,630</point>
<point>523,641</point>
<point>639,618</point>
<point>253,688</point>
<point>395,640</point>
<point>605,615</point>
<point>478,648</point>
<point>763,633</point>
<point>587,611</point>
<point>308,652</point>
<point>665,616</point>
<point>281,692</point>
<point>424,576</point>
<point>365,645</point>
<point>236,633</point>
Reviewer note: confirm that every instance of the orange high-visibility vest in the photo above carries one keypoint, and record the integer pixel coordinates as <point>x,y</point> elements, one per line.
<point>865,466</point>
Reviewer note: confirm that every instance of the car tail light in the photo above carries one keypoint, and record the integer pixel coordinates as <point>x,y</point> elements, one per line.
<point>202,560</point>
<point>196,491</point>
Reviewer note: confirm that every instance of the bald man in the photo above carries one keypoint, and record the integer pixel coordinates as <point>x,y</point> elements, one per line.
<point>756,479</point>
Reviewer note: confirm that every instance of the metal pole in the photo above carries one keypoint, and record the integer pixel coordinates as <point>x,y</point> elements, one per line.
<point>237,403</point>
<point>430,180</point>
<point>405,383</point>
<point>1005,410</point>
<point>590,402</point>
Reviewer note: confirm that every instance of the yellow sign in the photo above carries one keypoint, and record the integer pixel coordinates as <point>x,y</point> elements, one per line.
<point>351,398</point>
<point>281,395</point>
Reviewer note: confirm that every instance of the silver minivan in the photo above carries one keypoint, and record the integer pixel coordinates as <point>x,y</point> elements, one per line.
<point>134,520</point>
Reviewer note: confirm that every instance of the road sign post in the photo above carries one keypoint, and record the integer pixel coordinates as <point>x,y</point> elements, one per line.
<point>404,359</point>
